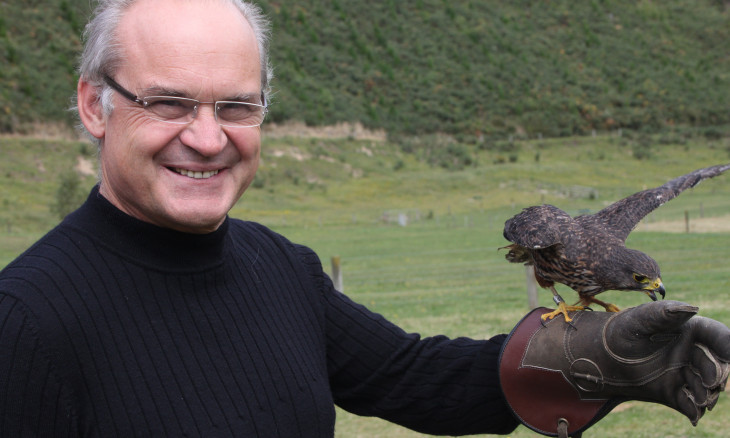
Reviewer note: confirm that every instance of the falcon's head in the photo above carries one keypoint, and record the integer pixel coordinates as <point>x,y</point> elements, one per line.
<point>637,271</point>
<point>650,286</point>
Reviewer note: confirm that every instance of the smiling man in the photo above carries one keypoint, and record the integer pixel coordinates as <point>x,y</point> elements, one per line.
<point>186,172</point>
<point>149,312</point>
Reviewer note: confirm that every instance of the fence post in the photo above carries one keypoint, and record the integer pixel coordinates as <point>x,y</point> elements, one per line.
<point>531,286</point>
<point>337,274</point>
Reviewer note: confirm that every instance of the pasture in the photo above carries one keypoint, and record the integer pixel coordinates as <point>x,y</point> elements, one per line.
<point>419,244</point>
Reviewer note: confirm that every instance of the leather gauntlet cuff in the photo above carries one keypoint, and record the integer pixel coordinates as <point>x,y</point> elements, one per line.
<point>554,373</point>
<point>543,397</point>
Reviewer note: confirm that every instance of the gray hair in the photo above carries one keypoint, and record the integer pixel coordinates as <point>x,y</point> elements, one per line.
<point>102,53</point>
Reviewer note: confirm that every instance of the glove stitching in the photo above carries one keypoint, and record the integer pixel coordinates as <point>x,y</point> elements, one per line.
<point>720,373</point>
<point>698,411</point>
<point>621,359</point>
<point>641,381</point>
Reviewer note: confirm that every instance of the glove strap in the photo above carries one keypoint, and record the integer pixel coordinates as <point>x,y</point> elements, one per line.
<point>543,399</point>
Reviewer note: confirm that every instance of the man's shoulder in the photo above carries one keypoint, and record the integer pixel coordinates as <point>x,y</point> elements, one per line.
<point>256,234</point>
<point>48,255</point>
<point>253,231</point>
<point>36,249</point>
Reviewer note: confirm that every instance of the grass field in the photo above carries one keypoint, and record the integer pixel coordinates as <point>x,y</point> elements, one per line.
<point>443,273</point>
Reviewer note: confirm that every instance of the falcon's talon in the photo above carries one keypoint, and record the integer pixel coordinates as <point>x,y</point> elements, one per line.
<point>572,324</point>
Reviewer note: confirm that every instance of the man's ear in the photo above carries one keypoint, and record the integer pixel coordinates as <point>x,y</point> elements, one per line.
<point>90,109</point>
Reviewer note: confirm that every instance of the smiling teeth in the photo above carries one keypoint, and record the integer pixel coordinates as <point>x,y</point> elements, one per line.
<point>196,175</point>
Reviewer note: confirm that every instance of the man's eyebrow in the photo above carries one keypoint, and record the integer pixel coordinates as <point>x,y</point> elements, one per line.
<point>244,97</point>
<point>157,90</point>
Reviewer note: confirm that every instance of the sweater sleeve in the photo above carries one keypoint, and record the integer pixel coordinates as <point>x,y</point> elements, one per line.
<point>32,401</point>
<point>432,385</point>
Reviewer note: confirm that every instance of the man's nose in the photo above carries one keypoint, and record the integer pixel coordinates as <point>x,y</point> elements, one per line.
<point>204,134</point>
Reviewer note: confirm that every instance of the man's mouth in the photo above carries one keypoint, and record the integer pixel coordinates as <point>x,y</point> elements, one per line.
<point>195,174</point>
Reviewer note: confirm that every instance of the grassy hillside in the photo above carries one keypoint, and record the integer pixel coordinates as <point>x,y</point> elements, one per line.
<point>484,67</point>
<point>474,68</point>
<point>341,182</point>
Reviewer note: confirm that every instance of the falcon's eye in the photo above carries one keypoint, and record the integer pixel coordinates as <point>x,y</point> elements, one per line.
<point>641,278</point>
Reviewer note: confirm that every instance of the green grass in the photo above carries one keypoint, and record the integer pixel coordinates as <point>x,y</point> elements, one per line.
<point>443,273</point>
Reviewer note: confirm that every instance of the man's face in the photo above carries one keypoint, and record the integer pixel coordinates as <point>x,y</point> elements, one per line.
<point>184,177</point>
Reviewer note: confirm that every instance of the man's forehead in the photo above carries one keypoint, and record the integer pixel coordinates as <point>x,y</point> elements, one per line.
<point>173,25</point>
<point>211,12</point>
<point>210,39</point>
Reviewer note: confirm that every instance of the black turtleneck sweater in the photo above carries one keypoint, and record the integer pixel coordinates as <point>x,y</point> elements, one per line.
<point>112,327</point>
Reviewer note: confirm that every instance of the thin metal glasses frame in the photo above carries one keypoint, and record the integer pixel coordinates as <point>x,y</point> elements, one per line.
<point>143,101</point>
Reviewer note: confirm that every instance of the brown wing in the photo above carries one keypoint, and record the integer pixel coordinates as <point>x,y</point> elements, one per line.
<point>620,218</point>
<point>537,227</point>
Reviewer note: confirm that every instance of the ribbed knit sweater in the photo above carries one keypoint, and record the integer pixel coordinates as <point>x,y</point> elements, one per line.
<point>112,327</point>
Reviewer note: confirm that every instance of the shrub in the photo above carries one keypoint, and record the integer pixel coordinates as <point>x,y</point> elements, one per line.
<point>69,195</point>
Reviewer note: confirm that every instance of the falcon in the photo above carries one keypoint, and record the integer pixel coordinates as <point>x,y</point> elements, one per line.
<point>588,252</point>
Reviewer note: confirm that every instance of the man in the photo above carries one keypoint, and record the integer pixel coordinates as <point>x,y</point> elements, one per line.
<point>149,312</point>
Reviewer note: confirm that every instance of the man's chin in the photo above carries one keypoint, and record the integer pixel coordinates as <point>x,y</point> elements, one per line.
<point>196,220</point>
<point>196,227</point>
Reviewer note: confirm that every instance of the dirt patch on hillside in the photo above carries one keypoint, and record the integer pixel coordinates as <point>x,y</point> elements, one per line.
<point>47,131</point>
<point>85,166</point>
<point>292,152</point>
<point>719,224</point>
<point>273,130</point>
<point>341,130</point>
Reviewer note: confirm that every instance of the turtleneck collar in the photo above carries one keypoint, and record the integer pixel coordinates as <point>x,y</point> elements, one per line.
<point>147,244</point>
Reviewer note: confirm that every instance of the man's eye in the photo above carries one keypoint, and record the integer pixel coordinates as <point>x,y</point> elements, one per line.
<point>235,107</point>
<point>169,108</point>
<point>166,102</point>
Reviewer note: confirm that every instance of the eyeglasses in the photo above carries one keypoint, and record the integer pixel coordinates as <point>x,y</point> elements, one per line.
<point>181,110</point>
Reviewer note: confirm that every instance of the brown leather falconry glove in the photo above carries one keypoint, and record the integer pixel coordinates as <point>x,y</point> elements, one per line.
<point>561,378</point>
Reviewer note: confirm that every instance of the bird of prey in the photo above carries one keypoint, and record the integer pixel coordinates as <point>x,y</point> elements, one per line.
<point>588,252</point>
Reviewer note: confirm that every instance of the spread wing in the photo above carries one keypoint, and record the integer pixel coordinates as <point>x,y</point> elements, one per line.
<point>621,217</point>
<point>537,227</point>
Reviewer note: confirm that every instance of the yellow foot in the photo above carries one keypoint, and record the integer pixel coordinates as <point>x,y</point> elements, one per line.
<point>562,309</point>
<point>612,308</point>
<point>587,301</point>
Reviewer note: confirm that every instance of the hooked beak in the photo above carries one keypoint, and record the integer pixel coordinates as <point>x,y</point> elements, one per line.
<point>656,286</point>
